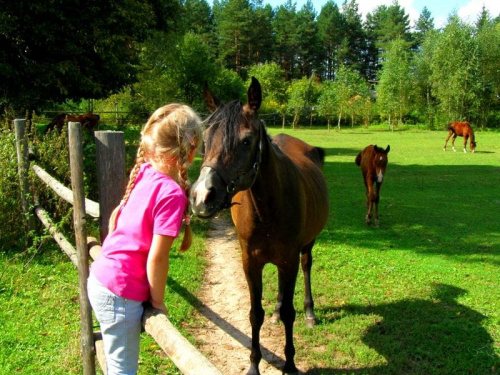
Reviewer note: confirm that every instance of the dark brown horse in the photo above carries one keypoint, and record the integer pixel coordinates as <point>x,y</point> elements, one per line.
<point>279,204</point>
<point>460,129</point>
<point>373,163</point>
<point>88,121</point>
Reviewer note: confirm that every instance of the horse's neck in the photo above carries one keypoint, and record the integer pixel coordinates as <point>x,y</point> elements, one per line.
<point>267,188</point>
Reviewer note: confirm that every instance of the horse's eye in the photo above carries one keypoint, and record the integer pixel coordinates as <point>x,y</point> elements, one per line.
<point>247,141</point>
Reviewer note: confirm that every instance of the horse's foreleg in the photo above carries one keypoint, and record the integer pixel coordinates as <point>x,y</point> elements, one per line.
<point>375,201</point>
<point>446,141</point>
<point>369,204</point>
<point>466,138</point>
<point>253,273</point>
<point>306,263</point>
<point>288,278</point>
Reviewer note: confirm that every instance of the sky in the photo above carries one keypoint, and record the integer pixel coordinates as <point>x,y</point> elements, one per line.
<point>467,10</point>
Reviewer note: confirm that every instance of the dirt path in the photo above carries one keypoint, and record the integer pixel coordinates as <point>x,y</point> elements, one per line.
<point>225,333</point>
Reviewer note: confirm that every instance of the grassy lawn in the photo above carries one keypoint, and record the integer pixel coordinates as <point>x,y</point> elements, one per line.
<point>419,295</point>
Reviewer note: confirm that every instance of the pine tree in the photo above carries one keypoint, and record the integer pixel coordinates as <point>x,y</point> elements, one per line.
<point>331,27</point>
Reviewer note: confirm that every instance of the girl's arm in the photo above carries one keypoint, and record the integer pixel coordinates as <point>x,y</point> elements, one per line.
<point>157,269</point>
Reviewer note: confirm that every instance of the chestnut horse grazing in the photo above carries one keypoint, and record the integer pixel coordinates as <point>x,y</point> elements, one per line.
<point>279,204</point>
<point>462,129</point>
<point>88,121</point>
<point>373,163</point>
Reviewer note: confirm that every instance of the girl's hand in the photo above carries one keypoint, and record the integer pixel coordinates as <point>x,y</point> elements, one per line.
<point>160,306</point>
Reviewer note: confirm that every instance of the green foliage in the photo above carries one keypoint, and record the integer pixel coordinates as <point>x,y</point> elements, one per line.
<point>13,235</point>
<point>88,50</point>
<point>302,96</point>
<point>455,71</point>
<point>274,87</point>
<point>394,88</point>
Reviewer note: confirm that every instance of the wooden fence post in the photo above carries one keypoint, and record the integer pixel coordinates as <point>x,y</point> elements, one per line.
<point>111,179</point>
<point>76,164</point>
<point>22,169</point>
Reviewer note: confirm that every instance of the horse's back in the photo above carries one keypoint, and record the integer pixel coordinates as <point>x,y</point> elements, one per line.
<point>299,151</point>
<point>363,159</point>
<point>460,127</point>
<point>308,160</point>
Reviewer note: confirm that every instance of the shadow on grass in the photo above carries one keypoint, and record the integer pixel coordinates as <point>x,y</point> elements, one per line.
<point>437,336</point>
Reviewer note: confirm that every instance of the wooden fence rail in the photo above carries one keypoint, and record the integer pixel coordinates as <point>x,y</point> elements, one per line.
<point>184,355</point>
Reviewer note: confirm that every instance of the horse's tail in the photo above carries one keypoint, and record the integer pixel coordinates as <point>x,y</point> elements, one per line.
<point>358,159</point>
<point>321,154</point>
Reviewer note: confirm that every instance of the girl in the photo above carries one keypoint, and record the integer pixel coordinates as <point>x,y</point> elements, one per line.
<point>133,265</point>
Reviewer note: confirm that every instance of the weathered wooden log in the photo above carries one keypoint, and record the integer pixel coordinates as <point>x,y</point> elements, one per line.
<point>91,207</point>
<point>63,243</point>
<point>185,356</point>
<point>99,351</point>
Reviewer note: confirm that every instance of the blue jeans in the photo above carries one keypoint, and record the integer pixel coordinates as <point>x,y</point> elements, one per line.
<point>120,321</point>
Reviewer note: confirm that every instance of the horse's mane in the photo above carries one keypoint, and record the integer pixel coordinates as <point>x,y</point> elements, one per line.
<point>226,118</point>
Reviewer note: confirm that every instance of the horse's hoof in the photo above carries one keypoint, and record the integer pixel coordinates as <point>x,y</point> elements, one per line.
<point>377,224</point>
<point>275,318</point>
<point>310,322</point>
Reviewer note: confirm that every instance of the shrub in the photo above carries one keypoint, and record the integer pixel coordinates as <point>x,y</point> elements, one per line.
<point>13,229</point>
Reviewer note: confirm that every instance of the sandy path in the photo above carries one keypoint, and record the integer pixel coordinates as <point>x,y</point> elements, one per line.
<point>225,332</point>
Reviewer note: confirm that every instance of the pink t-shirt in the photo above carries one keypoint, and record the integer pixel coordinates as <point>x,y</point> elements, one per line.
<point>156,206</point>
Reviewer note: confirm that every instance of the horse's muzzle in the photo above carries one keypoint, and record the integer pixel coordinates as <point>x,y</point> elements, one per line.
<point>209,194</point>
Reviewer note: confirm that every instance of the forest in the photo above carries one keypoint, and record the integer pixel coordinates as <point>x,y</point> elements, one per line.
<point>329,68</point>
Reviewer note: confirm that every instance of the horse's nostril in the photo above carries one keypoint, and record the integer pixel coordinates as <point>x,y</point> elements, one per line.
<point>210,197</point>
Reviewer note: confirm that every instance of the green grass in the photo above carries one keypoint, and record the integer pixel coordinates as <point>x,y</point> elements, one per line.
<point>39,314</point>
<point>421,294</point>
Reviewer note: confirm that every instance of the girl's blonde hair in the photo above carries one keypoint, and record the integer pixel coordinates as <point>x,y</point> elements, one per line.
<point>167,139</point>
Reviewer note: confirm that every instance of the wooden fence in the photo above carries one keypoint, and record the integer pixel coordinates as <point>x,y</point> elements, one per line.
<point>111,174</point>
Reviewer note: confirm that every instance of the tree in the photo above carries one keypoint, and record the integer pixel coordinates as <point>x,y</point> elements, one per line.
<point>302,96</point>
<point>261,47</point>
<point>328,102</point>
<point>353,44</point>
<point>308,54</point>
<point>331,27</point>
<point>197,17</point>
<point>488,39</point>
<point>234,26</point>
<point>424,24</point>
<point>347,85</point>
<point>394,87</point>
<point>286,37</point>
<point>274,87</point>
<point>455,71</point>
<point>73,50</point>
<point>384,25</point>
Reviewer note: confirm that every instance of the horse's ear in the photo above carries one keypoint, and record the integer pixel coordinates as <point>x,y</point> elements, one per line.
<point>387,149</point>
<point>254,95</point>
<point>211,100</point>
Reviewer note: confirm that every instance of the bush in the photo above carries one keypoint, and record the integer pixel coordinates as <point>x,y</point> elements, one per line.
<point>13,233</point>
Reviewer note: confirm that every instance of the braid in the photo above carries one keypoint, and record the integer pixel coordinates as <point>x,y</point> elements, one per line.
<point>131,183</point>
<point>184,184</point>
